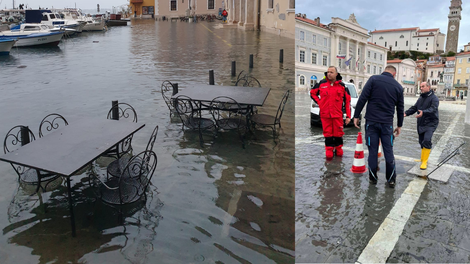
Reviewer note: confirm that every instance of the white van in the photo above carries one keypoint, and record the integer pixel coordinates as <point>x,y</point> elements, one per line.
<point>315,110</point>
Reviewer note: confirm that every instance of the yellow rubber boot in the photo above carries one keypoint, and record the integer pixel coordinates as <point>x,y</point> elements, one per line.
<point>424,158</point>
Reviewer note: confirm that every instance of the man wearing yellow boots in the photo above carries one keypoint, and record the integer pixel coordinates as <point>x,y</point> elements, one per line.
<point>428,119</point>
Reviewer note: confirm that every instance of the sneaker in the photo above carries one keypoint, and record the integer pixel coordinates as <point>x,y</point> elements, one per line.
<point>373,181</point>
<point>391,185</point>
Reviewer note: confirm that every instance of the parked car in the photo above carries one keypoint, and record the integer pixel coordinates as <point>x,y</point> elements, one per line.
<point>315,110</point>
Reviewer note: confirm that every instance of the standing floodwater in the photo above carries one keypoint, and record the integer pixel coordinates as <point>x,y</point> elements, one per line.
<point>216,204</point>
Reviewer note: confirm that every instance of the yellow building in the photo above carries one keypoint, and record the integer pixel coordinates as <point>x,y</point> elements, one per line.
<point>462,73</point>
<point>142,8</point>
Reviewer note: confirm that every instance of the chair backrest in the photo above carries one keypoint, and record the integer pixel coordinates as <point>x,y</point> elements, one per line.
<point>15,139</point>
<point>51,122</point>
<point>248,81</point>
<point>137,174</point>
<point>152,139</point>
<point>17,136</point>
<point>280,109</point>
<point>123,111</point>
<point>167,92</point>
<point>185,109</point>
<point>224,107</point>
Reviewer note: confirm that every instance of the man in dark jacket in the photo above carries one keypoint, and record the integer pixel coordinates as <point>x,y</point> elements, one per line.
<point>428,120</point>
<point>383,94</point>
<point>331,95</point>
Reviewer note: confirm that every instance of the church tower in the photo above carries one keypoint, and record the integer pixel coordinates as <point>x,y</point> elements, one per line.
<point>454,24</point>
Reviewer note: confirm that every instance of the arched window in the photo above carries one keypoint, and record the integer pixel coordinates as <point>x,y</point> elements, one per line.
<point>381,38</point>
<point>302,80</point>
<point>402,36</point>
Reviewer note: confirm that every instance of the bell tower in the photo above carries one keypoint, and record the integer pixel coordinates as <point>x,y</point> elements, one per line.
<point>454,25</point>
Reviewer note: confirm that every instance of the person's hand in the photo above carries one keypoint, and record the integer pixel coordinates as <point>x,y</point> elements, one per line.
<point>404,114</point>
<point>397,131</point>
<point>356,122</point>
<point>348,120</point>
<point>420,114</point>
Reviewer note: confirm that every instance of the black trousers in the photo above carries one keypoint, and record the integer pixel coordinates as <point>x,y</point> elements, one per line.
<point>384,132</point>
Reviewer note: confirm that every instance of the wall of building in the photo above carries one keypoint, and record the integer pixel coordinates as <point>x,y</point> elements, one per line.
<point>278,18</point>
<point>199,7</point>
<point>387,39</point>
<point>462,78</point>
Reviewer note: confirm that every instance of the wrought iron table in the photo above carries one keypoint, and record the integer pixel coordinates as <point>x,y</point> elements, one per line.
<point>69,149</point>
<point>252,96</point>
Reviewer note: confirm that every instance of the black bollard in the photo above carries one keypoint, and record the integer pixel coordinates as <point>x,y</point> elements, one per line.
<point>211,77</point>
<point>24,135</point>
<point>234,68</point>
<point>115,111</point>
<point>251,61</point>
<point>281,56</point>
<point>175,88</point>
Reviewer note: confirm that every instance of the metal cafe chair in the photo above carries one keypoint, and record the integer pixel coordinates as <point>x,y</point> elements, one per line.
<point>121,111</point>
<point>51,122</point>
<point>168,90</point>
<point>247,80</point>
<point>229,115</point>
<point>19,136</point>
<point>190,116</point>
<point>265,120</point>
<point>130,186</point>
<point>116,167</point>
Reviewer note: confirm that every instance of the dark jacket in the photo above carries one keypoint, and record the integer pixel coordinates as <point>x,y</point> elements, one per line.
<point>332,98</point>
<point>383,94</point>
<point>428,103</point>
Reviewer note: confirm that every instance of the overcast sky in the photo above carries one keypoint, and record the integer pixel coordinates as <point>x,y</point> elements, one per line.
<point>377,15</point>
<point>82,4</point>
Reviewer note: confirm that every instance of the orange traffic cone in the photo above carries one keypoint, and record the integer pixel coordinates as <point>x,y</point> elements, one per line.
<point>359,164</point>
<point>380,150</point>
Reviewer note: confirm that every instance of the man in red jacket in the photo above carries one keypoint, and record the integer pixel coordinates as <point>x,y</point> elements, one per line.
<point>331,95</point>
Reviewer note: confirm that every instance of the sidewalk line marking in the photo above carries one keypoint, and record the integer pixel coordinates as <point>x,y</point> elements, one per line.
<point>441,145</point>
<point>381,245</point>
<point>215,34</point>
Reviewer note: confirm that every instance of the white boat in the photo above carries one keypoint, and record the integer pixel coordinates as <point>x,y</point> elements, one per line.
<point>6,45</point>
<point>90,24</point>
<point>34,39</point>
<point>55,20</point>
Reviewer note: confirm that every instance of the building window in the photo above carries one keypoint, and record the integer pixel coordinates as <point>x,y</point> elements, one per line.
<point>381,38</point>
<point>325,60</point>
<point>460,60</point>
<point>210,4</point>
<point>381,56</point>
<point>402,36</point>
<point>302,35</point>
<point>417,45</point>
<point>468,70</point>
<point>359,52</point>
<point>407,43</point>
<point>426,44</point>
<point>375,55</point>
<point>375,69</point>
<point>368,53</point>
<point>459,70</point>
<point>270,4</point>
<point>368,68</point>
<point>339,47</point>
<point>302,80</point>
<point>466,81</point>
<point>380,69</point>
<point>458,81</point>
<point>314,58</point>
<point>147,10</point>
<point>291,4</point>
<point>385,43</point>
<point>468,59</point>
<point>302,56</point>
<point>325,42</point>
<point>432,73</point>
<point>396,43</point>
<point>314,39</point>
<point>173,6</point>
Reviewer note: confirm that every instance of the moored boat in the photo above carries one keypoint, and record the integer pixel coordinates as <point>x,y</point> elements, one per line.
<point>35,39</point>
<point>6,45</point>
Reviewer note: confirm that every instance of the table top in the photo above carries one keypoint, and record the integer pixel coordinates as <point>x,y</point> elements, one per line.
<point>68,149</point>
<point>243,95</point>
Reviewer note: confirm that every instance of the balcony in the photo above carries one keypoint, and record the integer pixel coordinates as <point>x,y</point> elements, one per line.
<point>460,85</point>
<point>408,82</point>
<point>137,1</point>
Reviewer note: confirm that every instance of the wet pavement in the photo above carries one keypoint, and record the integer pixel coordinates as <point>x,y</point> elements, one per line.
<point>216,204</point>
<point>337,212</point>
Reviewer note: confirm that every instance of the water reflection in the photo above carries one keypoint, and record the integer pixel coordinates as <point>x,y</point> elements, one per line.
<point>218,204</point>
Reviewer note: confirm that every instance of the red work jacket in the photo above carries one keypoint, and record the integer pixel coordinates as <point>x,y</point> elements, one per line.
<point>331,97</point>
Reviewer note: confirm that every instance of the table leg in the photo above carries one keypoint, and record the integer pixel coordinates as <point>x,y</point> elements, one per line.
<point>72,216</point>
